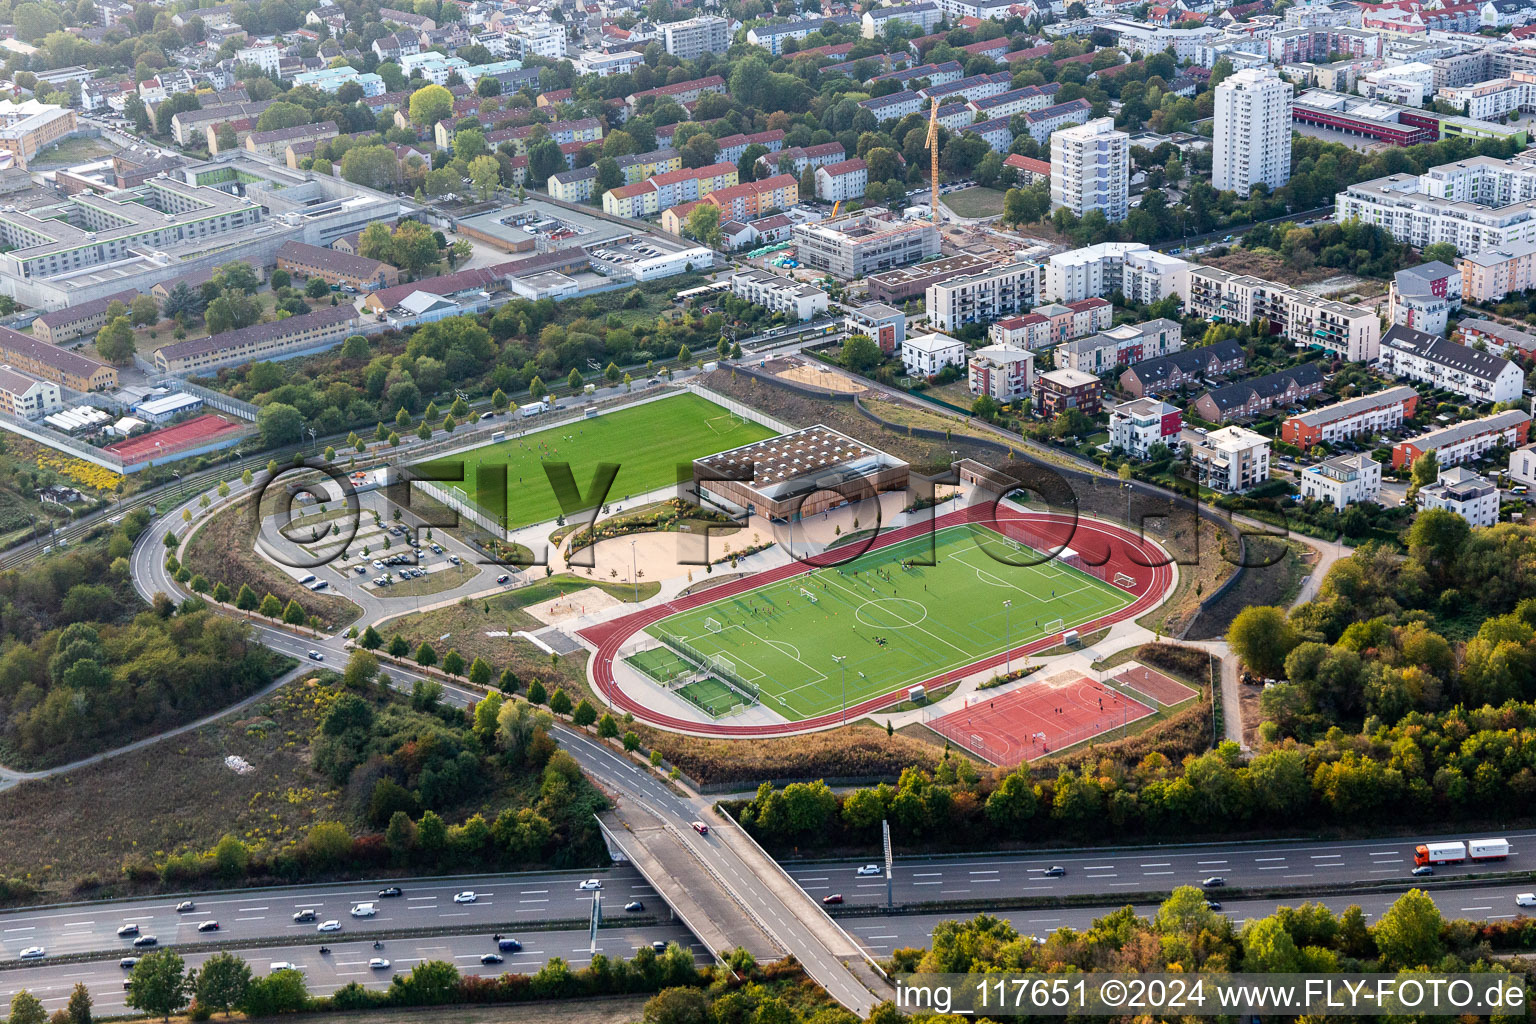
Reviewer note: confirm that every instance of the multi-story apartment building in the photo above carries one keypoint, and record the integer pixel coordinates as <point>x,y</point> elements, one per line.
<point>927,354</point>
<point>1461,442</point>
<point>1121,346</point>
<point>983,297</point>
<point>796,159</point>
<point>28,128</point>
<point>1003,372</point>
<point>1498,338</point>
<point>1460,490</point>
<point>895,106</point>
<point>1230,460</point>
<point>1245,398</point>
<point>1493,273</point>
<point>773,37</point>
<point>1478,376</point>
<point>26,397</point>
<point>1137,425</point>
<point>964,90</point>
<point>1342,481</point>
<point>1350,332</point>
<point>753,199</point>
<point>780,294</point>
<point>1184,369</point>
<point>60,365</point>
<point>1139,273</point>
<point>886,325</point>
<point>280,339</point>
<point>1090,169</point>
<point>1252,140</point>
<point>655,194</point>
<point>1041,123</point>
<point>1056,391</point>
<point>275,143</point>
<point>925,16</point>
<point>1423,297</point>
<point>696,36</point>
<point>864,243</point>
<point>1363,414</point>
<point>1015,101</point>
<point>682,92</point>
<point>1522,465</point>
<point>1474,204</point>
<point>575,186</point>
<point>841,182</point>
<point>61,325</point>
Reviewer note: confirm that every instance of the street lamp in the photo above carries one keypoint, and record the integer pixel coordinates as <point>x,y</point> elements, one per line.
<point>1007,637</point>
<point>842,661</point>
<point>634,573</point>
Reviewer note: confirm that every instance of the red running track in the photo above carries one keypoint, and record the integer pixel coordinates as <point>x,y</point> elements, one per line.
<point>1098,543</point>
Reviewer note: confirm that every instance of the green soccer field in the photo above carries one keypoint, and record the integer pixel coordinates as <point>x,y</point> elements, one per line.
<point>649,442</point>
<point>896,627</point>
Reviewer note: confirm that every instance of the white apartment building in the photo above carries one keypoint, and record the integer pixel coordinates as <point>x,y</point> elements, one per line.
<point>1469,495</point>
<point>1121,345</point>
<point>27,397</point>
<point>1091,169</point>
<point>1351,332</point>
<point>1424,296</point>
<point>925,16</point>
<point>1137,425</point>
<point>264,57</point>
<point>1003,372</point>
<point>1252,140</point>
<point>1478,376</point>
<point>1474,204</point>
<point>1342,481</point>
<point>1229,460</point>
<point>689,39</point>
<point>780,294</point>
<point>927,354</point>
<point>1522,465</point>
<point>1139,273</point>
<point>1151,276</point>
<point>1011,288</point>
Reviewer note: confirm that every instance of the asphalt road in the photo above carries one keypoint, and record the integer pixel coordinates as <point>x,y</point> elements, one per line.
<point>348,962</point>
<point>501,903</point>
<point>1104,872</point>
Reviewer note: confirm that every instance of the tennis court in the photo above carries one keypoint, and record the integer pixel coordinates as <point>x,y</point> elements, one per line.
<point>883,622</point>
<point>1039,718</point>
<point>653,444</point>
<point>1160,688</point>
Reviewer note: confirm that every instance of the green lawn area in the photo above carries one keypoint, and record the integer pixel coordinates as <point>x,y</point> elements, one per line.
<point>896,627</point>
<point>651,444</point>
<point>974,202</point>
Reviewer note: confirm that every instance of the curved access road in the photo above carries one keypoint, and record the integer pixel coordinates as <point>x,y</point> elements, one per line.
<point>1100,542</point>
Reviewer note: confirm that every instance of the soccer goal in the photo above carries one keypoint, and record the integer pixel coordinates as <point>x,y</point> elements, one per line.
<point>713,625</point>
<point>1122,580</point>
<point>808,596</point>
<point>1054,626</point>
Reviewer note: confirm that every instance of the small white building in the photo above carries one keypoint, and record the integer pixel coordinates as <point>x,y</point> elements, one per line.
<point>1343,481</point>
<point>1229,460</point>
<point>1003,372</point>
<point>167,407</point>
<point>1137,425</point>
<point>1522,465</point>
<point>927,354</point>
<point>780,294</point>
<point>1423,297</point>
<point>1460,490</point>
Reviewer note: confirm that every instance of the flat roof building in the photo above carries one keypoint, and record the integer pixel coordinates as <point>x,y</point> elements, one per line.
<point>866,242</point>
<point>797,475</point>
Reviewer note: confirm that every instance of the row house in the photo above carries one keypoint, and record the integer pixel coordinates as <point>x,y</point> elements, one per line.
<point>1171,373</point>
<point>1247,398</point>
<point>936,74</point>
<point>1462,442</point>
<point>1441,363</point>
<point>653,195</point>
<point>1364,414</point>
<point>681,92</point>
<point>972,88</point>
<point>1122,346</point>
<point>733,147</point>
<point>785,295</point>
<point>1507,341</point>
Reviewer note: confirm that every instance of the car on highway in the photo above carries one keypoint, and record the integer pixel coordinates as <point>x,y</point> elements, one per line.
<point>467,896</point>
<point>868,869</point>
<point>1214,882</point>
<point>282,965</point>
<point>364,910</point>
<point>316,656</point>
<point>127,930</point>
<point>1526,899</point>
<point>1055,871</point>
<point>328,926</point>
<point>33,953</point>
<point>127,963</point>
<point>590,883</point>
<point>146,941</point>
<point>393,890</point>
<point>208,926</point>
<point>1422,870</point>
<point>658,946</point>
<point>836,897</point>
<point>492,958</point>
<point>508,945</point>
<point>184,906</point>
<point>305,915</point>
<point>699,827</point>
<point>634,907</point>
<point>378,963</point>
<point>1212,905</point>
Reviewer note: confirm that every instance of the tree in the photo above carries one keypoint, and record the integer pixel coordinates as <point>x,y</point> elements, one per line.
<point>1424,471</point>
<point>317,288</point>
<point>536,692</point>
<point>115,343</point>
<point>609,176</point>
<point>271,607</point>
<point>426,657</point>
<point>222,982</point>
<point>703,223</point>
<point>370,640</point>
<point>559,703</point>
<point>145,310</point>
<point>585,714</point>
<point>79,1007</point>
<point>485,172</point>
<point>293,613</point>
<point>545,159</point>
<point>607,728</point>
<point>282,114</point>
<point>1408,934</point>
<point>375,167</point>
<point>480,672</point>
<point>681,1006</point>
<point>508,682</point>
<point>230,312</point>
<point>414,249</point>
<point>429,105</point>
<point>1445,252</point>
<point>280,424</point>
<point>376,242</point>
<point>158,984</point>
<point>1262,637</point>
<point>27,1009</point>
<point>398,646</point>
<point>182,302</point>
<point>861,353</point>
<point>453,662</point>
<point>362,667</point>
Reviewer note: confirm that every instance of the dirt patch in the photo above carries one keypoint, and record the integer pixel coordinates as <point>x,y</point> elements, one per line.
<point>1271,266</point>
<point>1275,584</point>
<point>820,376</point>
<point>573,605</point>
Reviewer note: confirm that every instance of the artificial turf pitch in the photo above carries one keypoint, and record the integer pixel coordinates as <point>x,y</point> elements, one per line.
<point>651,443</point>
<point>896,627</point>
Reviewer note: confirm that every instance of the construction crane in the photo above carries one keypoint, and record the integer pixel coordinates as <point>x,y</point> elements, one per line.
<point>933,150</point>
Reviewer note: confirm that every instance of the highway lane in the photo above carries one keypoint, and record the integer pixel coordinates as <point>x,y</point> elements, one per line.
<point>505,900</point>
<point>1107,871</point>
<point>882,934</point>
<point>348,961</point>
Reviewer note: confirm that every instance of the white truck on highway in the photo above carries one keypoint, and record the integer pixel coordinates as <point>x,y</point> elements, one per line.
<point>1458,852</point>
<point>533,408</point>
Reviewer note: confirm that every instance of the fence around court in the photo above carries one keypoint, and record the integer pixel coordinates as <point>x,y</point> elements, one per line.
<point>715,665</point>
